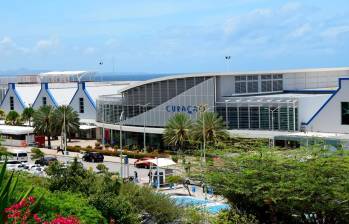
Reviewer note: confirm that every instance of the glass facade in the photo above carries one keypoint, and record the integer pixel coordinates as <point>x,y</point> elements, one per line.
<point>266,116</point>
<point>143,98</point>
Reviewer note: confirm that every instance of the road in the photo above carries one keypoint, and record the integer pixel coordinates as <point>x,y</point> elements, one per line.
<point>128,170</point>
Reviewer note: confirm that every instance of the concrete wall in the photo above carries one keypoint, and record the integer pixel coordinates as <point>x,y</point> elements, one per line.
<point>308,106</point>
<point>89,107</point>
<point>328,119</point>
<point>291,81</point>
<point>18,105</point>
<point>313,80</point>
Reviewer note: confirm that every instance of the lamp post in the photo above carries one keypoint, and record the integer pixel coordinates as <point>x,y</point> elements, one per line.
<point>144,123</point>
<point>226,113</point>
<point>227,58</point>
<point>120,124</point>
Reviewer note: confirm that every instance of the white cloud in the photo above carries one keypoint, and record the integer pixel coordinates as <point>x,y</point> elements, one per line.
<point>48,44</point>
<point>301,30</point>
<point>89,50</point>
<point>335,32</point>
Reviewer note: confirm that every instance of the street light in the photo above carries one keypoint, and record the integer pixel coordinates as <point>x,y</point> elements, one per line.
<point>227,58</point>
<point>144,120</point>
<point>205,107</point>
<point>120,125</point>
<point>226,113</point>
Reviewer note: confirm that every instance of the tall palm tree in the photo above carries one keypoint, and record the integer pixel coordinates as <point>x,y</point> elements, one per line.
<point>177,130</point>
<point>66,114</point>
<point>210,125</point>
<point>43,122</point>
<point>13,118</point>
<point>27,114</point>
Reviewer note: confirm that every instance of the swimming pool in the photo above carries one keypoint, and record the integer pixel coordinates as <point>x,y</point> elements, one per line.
<point>211,206</point>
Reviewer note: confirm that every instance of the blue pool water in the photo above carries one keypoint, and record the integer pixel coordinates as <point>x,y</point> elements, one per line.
<point>212,207</point>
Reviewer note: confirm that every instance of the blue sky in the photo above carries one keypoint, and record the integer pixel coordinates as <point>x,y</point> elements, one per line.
<point>161,36</point>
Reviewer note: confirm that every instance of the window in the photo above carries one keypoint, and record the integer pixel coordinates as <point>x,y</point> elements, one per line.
<point>252,84</point>
<point>271,83</point>
<point>81,105</point>
<point>44,101</point>
<point>12,104</point>
<point>246,84</point>
<point>345,113</point>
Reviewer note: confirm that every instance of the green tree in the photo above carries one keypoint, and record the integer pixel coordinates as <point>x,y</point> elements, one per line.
<point>2,114</point>
<point>36,153</point>
<point>13,118</point>
<point>294,187</point>
<point>178,130</point>
<point>66,114</point>
<point>210,125</point>
<point>43,122</point>
<point>28,114</point>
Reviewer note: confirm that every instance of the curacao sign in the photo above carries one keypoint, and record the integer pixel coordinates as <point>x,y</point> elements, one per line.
<point>190,109</point>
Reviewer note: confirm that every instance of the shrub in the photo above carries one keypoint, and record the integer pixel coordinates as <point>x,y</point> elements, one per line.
<point>88,147</point>
<point>115,208</point>
<point>107,145</point>
<point>174,179</point>
<point>175,158</point>
<point>160,207</point>
<point>101,167</point>
<point>36,153</point>
<point>279,188</point>
<point>97,144</point>
<point>68,204</point>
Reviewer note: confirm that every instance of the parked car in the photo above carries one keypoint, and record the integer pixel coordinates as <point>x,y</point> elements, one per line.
<point>93,157</point>
<point>45,161</point>
<point>142,163</point>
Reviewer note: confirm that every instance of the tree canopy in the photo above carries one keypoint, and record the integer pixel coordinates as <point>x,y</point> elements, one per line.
<point>293,187</point>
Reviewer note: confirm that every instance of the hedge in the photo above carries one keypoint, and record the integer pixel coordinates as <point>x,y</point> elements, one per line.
<point>130,154</point>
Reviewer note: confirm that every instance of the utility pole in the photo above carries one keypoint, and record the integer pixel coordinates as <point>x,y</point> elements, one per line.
<point>120,125</point>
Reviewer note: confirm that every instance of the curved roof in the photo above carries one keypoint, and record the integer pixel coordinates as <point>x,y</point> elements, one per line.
<point>189,75</point>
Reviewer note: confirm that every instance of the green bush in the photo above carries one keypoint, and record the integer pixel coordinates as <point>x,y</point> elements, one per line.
<point>286,186</point>
<point>174,179</point>
<point>115,207</point>
<point>36,153</point>
<point>160,207</point>
<point>58,202</point>
<point>101,167</point>
<point>175,158</point>
<point>67,204</point>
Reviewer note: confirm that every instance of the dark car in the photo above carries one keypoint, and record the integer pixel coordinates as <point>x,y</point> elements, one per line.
<point>45,161</point>
<point>93,157</point>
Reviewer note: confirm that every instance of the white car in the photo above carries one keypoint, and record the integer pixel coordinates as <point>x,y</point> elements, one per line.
<point>37,171</point>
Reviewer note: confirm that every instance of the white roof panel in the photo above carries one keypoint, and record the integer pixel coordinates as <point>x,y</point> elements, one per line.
<point>64,94</point>
<point>16,130</point>
<point>28,93</point>
<point>98,89</point>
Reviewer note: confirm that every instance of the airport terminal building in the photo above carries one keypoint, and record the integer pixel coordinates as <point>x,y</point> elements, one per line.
<point>280,105</point>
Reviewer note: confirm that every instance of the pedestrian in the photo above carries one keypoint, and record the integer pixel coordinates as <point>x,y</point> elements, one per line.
<point>150,175</point>
<point>136,177</point>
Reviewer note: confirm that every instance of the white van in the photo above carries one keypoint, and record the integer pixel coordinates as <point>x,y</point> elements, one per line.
<point>19,155</point>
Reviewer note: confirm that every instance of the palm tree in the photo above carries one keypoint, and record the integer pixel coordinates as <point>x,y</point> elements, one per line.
<point>177,130</point>
<point>210,125</point>
<point>13,118</point>
<point>43,122</point>
<point>66,114</point>
<point>27,114</point>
